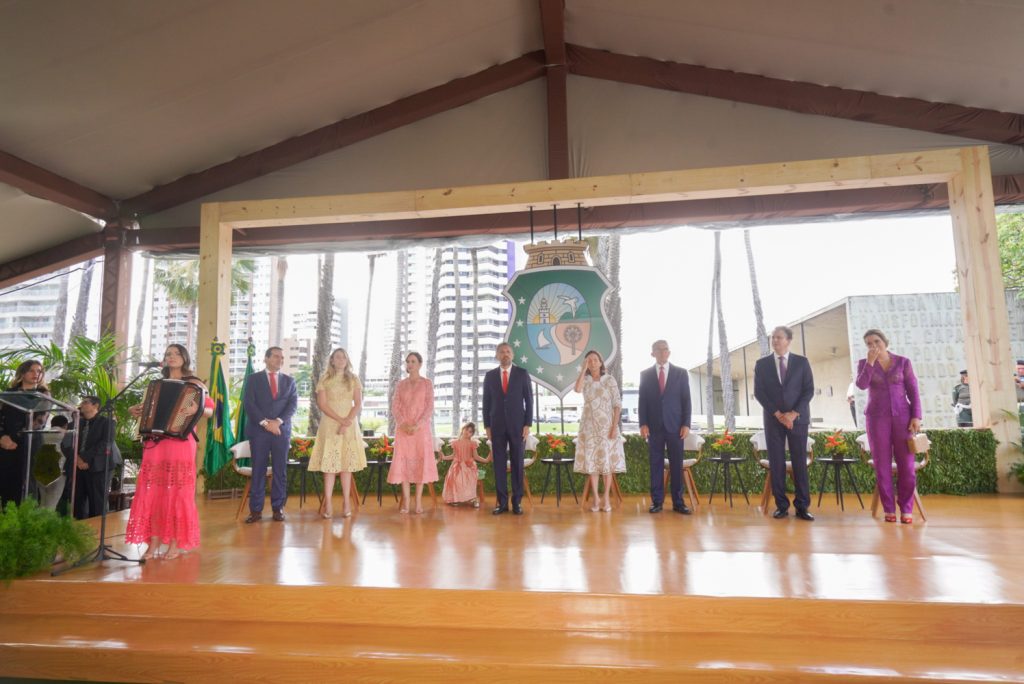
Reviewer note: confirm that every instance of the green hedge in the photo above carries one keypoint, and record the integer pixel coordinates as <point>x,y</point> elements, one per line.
<point>962,462</point>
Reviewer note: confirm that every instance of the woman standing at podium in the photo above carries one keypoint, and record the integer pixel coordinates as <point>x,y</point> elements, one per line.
<point>339,448</point>
<point>13,444</point>
<point>164,508</point>
<point>892,417</point>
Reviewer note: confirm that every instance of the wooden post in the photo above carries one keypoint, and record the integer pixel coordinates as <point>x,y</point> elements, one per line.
<point>983,304</point>
<point>115,306</point>
<point>214,296</point>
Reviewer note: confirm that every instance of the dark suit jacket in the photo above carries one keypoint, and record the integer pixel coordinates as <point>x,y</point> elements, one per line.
<point>94,448</point>
<point>794,395</point>
<point>259,405</point>
<point>512,410</point>
<point>669,411</point>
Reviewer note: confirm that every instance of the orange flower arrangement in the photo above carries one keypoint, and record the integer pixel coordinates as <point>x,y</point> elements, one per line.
<point>302,447</point>
<point>381,448</point>
<point>555,445</point>
<point>836,444</point>
<point>726,442</point>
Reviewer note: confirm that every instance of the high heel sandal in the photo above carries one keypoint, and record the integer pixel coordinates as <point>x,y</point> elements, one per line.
<point>607,509</point>
<point>907,519</point>
<point>325,515</point>
<point>890,517</point>
<point>595,509</point>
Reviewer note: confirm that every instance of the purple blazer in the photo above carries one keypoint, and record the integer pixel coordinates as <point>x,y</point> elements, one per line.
<point>890,393</point>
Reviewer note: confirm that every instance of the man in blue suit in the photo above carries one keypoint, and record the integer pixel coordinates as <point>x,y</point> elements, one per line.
<point>665,422</point>
<point>784,386</point>
<point>508,416</point>
<point>270,400</point>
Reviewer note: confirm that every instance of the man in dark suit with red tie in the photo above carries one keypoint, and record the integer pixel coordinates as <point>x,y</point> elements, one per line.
<point>508,416</point>
<point>270,400</point>
<point>784,386</point>
<point>664,407</point>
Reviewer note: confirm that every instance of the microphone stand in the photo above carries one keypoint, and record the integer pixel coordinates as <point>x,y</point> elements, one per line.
<point>103,550</point>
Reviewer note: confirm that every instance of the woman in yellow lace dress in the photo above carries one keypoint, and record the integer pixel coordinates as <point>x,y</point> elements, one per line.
<point>339,447</point>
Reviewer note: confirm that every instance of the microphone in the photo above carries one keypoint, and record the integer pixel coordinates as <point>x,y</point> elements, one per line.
<point>151,364</point>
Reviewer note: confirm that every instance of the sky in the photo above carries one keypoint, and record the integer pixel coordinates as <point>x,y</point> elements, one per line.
<point>666,280</point>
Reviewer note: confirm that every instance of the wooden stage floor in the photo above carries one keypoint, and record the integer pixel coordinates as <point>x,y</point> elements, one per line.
<point>895,602</point>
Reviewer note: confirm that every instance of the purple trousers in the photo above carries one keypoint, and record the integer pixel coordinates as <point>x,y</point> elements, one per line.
<point>887,437</point>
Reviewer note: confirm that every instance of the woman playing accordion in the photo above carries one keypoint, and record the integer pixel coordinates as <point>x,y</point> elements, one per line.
<point>164,509</point>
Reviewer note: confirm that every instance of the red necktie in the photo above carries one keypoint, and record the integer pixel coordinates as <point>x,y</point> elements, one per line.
<point>661,379</point>
<point>504,381</point>
<point>273,385</point>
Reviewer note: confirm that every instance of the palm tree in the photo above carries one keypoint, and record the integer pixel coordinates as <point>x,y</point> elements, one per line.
<point>140,313</point>
<point>475,260</point>
<point>82,306</point>
<point>611,249</point>
<point>180,281</point>
<point>279,265</point>
<point>395,371</point>
<point>709,388</point>
<point>762,334</point>
<point>322,346</point>
<point>724,361</point>
<point>457,360</point>
<point>366,325</point>
<point>60,319</point>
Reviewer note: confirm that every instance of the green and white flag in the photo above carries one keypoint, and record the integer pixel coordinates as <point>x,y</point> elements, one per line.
<point>238,417</point>
<point>219,438</point>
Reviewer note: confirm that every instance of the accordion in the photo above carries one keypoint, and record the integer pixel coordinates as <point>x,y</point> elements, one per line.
<point>171,408</point>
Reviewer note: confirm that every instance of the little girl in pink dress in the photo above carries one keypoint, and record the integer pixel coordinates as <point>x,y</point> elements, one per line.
<point>461,480</point>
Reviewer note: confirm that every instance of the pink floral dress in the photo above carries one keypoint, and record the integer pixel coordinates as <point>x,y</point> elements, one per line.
<point>460,482</point>
<point>413,459</point>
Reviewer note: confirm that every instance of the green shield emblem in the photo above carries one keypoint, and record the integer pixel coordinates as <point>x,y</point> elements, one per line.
<point>558,315</point>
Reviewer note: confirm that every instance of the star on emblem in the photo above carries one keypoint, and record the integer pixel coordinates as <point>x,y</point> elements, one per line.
<point>522,301</point>
<point>523,359</point>
<point>519,323</point>
<point>559,377</point>
<point>516,343</point>
<point>540,370</point>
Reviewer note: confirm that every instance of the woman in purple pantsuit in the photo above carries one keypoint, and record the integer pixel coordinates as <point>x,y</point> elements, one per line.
<point>892,417</point>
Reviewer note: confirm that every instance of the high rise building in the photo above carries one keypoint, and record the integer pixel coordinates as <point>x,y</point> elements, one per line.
<point>29,308</point>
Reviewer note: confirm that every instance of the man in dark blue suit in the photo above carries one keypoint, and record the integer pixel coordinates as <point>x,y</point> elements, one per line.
<point>270,400</point>
<point>784,387</point>
<point>508,416</point>
<point>665,422</point>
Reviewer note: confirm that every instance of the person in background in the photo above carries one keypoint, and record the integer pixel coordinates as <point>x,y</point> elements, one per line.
<point>962,401</point>
<point>14,444</point>
<point>851,398</point>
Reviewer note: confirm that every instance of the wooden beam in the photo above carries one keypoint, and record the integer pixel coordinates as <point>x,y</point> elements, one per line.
<point>402,112</point>
<point>48,260</point>
<point>115,304</point>
<point>983,303</point>
<point>693,184</point>
<point>806,98</point>
<point>38,182</point>
<point>552,22</point>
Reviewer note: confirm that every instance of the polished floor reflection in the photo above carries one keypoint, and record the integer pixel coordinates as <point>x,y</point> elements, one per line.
<point>967,552</point>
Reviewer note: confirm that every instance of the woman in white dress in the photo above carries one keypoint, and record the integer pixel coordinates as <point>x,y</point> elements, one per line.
<point>599,446</point>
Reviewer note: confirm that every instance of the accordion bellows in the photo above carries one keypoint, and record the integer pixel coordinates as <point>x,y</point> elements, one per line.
<point>171,408</point>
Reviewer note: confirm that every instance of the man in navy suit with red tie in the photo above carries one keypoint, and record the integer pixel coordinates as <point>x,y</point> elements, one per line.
<point>508,416</point>
<point>664,407</point>
<point>784,387</point>
<point>270,400</point>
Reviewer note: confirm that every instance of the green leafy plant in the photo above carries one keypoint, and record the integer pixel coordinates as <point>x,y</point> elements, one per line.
<point>836,445</point>
<point>726,442</point>
<point>31,537</point>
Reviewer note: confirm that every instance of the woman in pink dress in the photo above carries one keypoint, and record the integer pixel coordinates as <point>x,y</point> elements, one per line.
<point>164,508</point>
<point>413,408</point>
<point>460,482</point>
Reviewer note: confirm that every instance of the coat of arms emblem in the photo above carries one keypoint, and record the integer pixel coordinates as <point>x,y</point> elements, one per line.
<point>558,313</point>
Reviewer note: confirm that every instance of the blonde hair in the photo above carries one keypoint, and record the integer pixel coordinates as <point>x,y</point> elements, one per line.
<point>347,376</point>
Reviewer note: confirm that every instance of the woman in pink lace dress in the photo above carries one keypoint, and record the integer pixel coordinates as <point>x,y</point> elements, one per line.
<point>413,408</point>
<point>164,508</point>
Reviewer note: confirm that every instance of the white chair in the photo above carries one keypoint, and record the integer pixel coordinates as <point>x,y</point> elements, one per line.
<point>238,452</point>
<point>692,444</point>
<point>921,445</point>
<point>760,443</point>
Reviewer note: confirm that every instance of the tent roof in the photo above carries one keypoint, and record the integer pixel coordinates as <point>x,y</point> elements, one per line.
<point>103,101</point>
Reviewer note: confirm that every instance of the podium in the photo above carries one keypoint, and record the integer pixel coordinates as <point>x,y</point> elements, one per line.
<point>35,405</point>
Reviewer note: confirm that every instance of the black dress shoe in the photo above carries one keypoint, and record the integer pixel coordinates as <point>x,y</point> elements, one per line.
<point>517,509</point>
<point>681,509</point>
<point>498,510</point>
<point>253,517</point>
<point>779,514</point>
<point>804,515</point>
<point>656,508</point>
<point>279,515</point>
